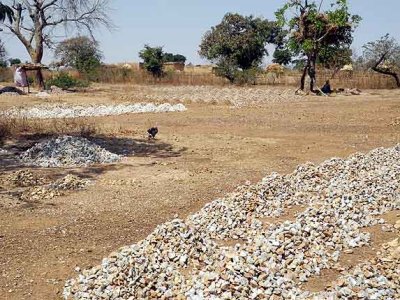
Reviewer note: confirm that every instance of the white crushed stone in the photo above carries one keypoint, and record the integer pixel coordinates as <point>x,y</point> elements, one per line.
<point>67,151</point>
<point>233,95</point>
<point>182,259</point>
<point>67,111</point>
<point>4,151</point>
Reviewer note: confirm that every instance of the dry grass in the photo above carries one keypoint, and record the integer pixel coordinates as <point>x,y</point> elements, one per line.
<point>11,128</point>
<point>361,80</point>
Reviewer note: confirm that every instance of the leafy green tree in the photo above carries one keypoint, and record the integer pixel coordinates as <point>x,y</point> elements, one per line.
<point>311,31</point>
<point>383,56</point>
<point>238,44</point>
<point>14,61</point>
<point>282,56</point>
<point>153,60</point>
<point>169,57</point>
<point>81,53</point>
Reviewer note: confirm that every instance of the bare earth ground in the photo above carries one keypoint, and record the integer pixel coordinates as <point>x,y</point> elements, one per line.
<point>199,155</point>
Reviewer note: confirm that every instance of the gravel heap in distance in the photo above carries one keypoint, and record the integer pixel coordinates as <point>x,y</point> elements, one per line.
<point>66,111</point>
<point>184,259</point>
<point>233,95</point>
<point>67,151</point>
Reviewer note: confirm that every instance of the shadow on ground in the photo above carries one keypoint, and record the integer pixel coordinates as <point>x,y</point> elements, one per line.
<point>119,145</point>
<point>138,147</point>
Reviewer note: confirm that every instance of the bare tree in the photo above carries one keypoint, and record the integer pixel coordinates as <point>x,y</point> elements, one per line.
<point>383,56</point>
<point>6,13</point>
<point>35,22</point>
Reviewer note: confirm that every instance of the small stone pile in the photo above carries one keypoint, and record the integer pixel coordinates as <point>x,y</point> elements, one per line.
<point>51,111</point>
<point>70,182</point>
<point>24,178</point>
<point>188,259</point>
<point>39,193</point>
<point>54,189</point>
<point>67,151</point>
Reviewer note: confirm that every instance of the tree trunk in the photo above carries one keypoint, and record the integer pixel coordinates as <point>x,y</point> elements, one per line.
<point>303,78</point>
<point>40,79</point>
<point>37,56</point>
<point>385,72</point>
<point>312,74</point>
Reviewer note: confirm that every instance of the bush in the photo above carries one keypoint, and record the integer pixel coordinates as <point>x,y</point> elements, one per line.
<point>247,76</point>
<point>65,81</point>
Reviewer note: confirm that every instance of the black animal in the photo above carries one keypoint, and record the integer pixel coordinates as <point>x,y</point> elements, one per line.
<point>152,132</point>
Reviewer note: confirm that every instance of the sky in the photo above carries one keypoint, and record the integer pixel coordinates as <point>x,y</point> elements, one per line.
<point>179,25</point>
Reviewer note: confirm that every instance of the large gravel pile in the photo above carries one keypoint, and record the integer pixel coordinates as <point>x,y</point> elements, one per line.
<point>187,259</point>
<point>236,96</point>
<point>66,111</point>
<point>67,151</point>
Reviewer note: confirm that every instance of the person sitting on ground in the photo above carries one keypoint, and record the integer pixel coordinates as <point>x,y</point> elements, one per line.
<point>326,89</point>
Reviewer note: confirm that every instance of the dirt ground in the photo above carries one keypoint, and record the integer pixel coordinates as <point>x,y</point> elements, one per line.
<point>198,156</point>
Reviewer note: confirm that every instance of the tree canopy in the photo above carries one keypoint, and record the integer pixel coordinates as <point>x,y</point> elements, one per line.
<point>153,60</point>
<point>81,53</point>
<point>315,34</point>
<point>238,43</point>
<point>169,57</point>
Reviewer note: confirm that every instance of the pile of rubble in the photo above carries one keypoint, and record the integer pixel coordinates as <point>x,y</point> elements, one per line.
<point>24,178</point>
<point>70,182</point>
<point>67,151</point>
<point>54,189</point>
<point>184,259</point>
<point>235,96</point>
<point>51,111</point>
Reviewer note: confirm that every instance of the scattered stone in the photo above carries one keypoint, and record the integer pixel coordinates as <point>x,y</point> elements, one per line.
<point>67,151</point>
<point>43,95</point>
<point>55,90</point>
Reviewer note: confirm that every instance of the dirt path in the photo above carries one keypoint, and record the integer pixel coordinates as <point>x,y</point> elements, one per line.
<point>199,155</point>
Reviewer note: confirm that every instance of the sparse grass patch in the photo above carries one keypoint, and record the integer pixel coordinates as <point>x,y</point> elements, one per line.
<point>11,127</point>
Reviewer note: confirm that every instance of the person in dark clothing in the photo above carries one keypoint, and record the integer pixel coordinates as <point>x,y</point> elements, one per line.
<point>326,89</point>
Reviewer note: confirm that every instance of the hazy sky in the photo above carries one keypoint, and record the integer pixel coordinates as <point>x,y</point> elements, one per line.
<point>178,25</point>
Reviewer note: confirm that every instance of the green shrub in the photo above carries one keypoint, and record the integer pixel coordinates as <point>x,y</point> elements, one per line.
<point>65,81</point>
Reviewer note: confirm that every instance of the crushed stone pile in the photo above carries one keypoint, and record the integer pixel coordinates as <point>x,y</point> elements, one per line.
<point>54,189</point>
<point>67,111</point>
<point>235,96</point>
<point>24,178</point>
<point>67,151</point>
<point>190,259</point>
<point>70,182</point>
